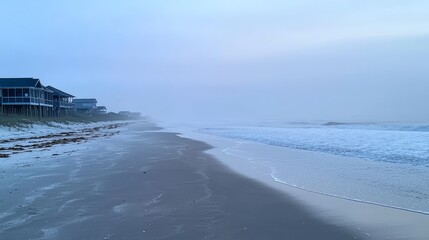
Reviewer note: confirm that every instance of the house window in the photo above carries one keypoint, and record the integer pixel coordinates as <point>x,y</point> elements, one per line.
<point>12,93</point>
<point>26,92</point>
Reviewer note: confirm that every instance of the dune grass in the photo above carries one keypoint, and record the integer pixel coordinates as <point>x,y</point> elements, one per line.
<point>19,121</point>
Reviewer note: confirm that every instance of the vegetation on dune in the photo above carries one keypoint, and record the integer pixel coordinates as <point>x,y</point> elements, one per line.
<point>19,121</point>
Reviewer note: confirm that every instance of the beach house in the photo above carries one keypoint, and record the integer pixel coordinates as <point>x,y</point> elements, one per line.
<point>101,110</point>
<point>25,96</point>
<point>62,102</point>
<point>135,115</point>
<point>85,105</point>
<point>125,113</point>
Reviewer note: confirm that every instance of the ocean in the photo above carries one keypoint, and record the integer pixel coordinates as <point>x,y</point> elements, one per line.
<point>377,163</point>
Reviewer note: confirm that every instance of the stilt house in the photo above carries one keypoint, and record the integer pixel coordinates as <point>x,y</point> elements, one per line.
<point>85,105</point>
<point>25,96</point>
<point>62,101</point>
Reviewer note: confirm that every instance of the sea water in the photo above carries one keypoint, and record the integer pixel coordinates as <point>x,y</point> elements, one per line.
<point>377,163</point>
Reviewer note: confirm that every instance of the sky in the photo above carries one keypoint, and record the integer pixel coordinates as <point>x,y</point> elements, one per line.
<point>222,60</point>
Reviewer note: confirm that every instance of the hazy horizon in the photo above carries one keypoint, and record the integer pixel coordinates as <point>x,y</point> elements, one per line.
<point>228,60</point>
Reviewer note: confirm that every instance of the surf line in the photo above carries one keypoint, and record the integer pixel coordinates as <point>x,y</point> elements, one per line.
<point>228,150</point>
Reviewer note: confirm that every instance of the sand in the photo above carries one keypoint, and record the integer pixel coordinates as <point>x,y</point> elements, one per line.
<point>144,184</point>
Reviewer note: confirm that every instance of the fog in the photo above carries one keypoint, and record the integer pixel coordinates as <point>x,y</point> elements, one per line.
<point>245,60</point>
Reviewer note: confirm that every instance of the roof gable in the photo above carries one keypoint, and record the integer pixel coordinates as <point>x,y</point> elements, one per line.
<point>20,82</point>
<point>59,92</point>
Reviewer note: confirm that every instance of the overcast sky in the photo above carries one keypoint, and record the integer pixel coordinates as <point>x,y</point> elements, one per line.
<point>227,60</point>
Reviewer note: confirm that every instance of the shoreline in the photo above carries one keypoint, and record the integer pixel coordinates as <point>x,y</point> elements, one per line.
<point>374,219</point>
<point>150,184</point>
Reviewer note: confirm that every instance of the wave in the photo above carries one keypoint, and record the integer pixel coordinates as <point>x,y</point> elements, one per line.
<point>403,144</point>
<point>414,127</point>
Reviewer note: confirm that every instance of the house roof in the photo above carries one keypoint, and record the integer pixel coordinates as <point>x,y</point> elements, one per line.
<point>59,92</point>
<point>20,82</point>
<point>85,100</point>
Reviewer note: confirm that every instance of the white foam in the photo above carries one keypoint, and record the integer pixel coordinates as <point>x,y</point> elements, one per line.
<point>38,193</point>
<point>14,222</point>
<point>155,200</point>
<point>118,209</point>
<point>5,214</point>
<point>68,202</point>
<point>49,233</point>
<point>379,144</point>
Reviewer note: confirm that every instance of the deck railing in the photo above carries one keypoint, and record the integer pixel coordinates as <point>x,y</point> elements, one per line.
<point>26,100</point>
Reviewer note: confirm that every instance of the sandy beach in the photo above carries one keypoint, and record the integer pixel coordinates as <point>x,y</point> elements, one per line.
<point>223,120</point>
<point>145,184</point>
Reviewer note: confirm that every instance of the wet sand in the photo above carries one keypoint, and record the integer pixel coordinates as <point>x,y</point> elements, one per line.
<point>144,184</point>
